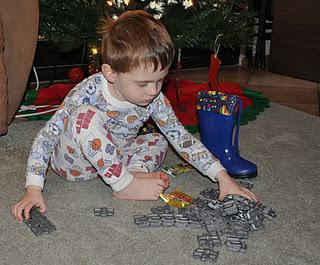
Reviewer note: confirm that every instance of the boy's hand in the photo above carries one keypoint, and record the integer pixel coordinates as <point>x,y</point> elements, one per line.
<point>228,185</point>
<point>165,178</point>
<point>32,197</point>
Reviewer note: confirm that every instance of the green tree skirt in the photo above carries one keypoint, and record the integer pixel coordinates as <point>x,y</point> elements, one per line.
<point>260,103</point>
<point>29,99</point>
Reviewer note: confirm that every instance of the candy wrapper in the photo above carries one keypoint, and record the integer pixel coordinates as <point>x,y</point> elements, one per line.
<point>178,169</point>
<point>177,199</point>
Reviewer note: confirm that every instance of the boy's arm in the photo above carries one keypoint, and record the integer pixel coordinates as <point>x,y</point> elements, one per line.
<point>189,147</point>
<point>192,150</point>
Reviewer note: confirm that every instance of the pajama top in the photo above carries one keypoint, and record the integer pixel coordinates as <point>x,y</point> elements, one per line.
<point>124,121</point>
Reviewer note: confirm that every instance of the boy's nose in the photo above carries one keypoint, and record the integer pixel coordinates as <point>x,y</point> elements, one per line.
<point>153,91</point>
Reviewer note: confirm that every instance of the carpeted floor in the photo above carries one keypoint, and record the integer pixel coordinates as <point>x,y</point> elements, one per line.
<point>284,143</point>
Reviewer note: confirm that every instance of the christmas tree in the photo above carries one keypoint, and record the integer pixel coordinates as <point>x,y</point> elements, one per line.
<point>191,23</point>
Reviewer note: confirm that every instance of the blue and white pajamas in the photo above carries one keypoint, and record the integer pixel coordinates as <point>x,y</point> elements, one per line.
<point>93,134</point>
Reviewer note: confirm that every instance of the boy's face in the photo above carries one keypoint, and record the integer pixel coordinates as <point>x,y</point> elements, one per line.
<point>139,86</point>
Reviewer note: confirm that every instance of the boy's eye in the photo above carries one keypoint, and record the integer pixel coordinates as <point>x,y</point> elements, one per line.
<point>142,84</point>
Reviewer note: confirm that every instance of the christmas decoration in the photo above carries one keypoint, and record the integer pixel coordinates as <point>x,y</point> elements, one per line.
<point>226,87</point>
<point>94,59</point>
<point>76,74</point>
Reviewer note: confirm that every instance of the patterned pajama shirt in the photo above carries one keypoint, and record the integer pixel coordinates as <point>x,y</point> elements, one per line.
<point>93,134</point>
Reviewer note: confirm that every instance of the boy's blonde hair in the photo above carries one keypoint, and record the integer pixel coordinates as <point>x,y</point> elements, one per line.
<point>135,39</point>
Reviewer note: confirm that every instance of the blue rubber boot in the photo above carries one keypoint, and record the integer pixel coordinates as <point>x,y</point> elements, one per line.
<point>217,134</point>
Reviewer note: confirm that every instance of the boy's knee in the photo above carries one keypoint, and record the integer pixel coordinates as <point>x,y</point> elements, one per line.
<point>160,140</point>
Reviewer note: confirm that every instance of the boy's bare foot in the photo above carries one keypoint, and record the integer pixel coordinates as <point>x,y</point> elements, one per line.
<point>157,174</point>
<point>142,188</point>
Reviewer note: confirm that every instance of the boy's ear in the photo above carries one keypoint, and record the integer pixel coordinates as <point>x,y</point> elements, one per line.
<point>108,73</point>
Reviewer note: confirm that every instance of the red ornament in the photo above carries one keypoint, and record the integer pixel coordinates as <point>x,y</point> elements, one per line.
<point>76,74</point>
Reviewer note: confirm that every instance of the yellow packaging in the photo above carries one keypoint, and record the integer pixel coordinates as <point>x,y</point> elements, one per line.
<point>177,199</point>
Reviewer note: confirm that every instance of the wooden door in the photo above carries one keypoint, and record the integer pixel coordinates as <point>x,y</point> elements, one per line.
<point>295,41</point>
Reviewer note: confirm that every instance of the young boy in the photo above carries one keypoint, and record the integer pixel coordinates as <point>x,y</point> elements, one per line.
<point>94,133</point>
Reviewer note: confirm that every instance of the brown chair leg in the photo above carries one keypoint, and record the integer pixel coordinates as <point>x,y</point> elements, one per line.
<point>20,26</point>
<point>3,86</point>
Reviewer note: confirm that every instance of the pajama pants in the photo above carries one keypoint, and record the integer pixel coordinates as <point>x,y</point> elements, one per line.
<point>87,149</point>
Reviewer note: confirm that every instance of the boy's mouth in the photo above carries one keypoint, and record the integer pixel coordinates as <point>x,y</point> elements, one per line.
<point>146,102</point>
<point>149,100</point>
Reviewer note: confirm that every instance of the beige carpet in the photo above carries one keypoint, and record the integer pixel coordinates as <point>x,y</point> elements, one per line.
<point>284,143</point>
